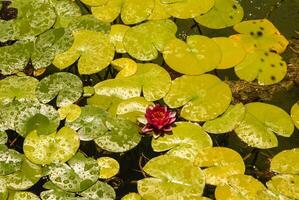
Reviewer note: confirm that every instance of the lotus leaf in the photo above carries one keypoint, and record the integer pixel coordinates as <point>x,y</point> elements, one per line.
<point>93,50</point>
<point>199,96</point>
<point>145,40</point>
<point>80,173</point>
<point>107,12</point>
<point>45,149</point>
<point>294,114</point>
<point>109,167</point>
<point>126,66</point>
<point>267,67</point>
<point>219,164</point>
<point>227,122</point>
<point>117,35</point>
<point>172,178</point>
<point>199,55</point>
<point>186,140</point>
<point>260,123</point>
<point>10,160</point>
<point>66,86</point>
<point>23,196</point>
<point>239,187</point>
<point>159,12</point>
<point>286,162</point>
<point>3,138</point>
<point>285,184</point>
<point>225,13</point>
<point>99,190</point>
<point>147,80</point>
<point>70,112</point>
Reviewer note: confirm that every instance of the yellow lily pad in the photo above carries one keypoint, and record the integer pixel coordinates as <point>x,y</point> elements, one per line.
<point>70,112</point>
<point>285,184</point>
<point>159,12</point>
<point>126,67</point>
<point>132,196</point>
<point>109,167</point>
<point>286,162</point>
<point>295,114</point>
<point>107,12</point>
<point>117,35</point>
<point>136,11</point>
<point>94,2</point>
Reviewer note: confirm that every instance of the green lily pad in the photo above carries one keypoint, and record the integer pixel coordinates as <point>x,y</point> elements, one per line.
<point>172,178</point>
<point>99,190</point>
<point>148,79</point>
<point>219,164</point>
<point>117,35</point>
<point>145,40</point>
<point>3,137</point>
<point>22,196</point>
<point>15,57</point>
<point>185,141</point>
<point>50,43</point>
<point>136,11</point>
<point>45,149</point>
<point>79,175</point>
<point>294,114</point>
<point>17,88</point>
<point>107,12</point>
<point>93,50</point>
<point>225,13</point>
<point>87,22</point>
<point>227,122</point>
<point>57,194</point>
<point>267,67</point>
<point>285,184</point>
<point>70,113</point>
<point>66,86</point>
<point>185,9</point>
<point>65,10</point>
<point>109,167</point>
<point>34,17</point>
<point>107,103</point>
<point>10,160</point>
<point>239,187</point>
<point>199,55</point>
<point>203,97</point>
<point>3,189</point>
<point>94,2</point>
<point>260,123</point>
<point>286,162</point>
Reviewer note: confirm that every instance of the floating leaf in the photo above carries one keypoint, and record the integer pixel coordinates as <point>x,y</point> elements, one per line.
<point>23,196</point>
<point>267,67</point>
<point>10,160</point>
<point>87,22</point>
<point>227,122</point>
<point>70,112</point>
<point>58,195</point>
<point>219,164</point>
<point>107,12</point>
<point>203,97</point>
<point>185,9</point>
<point>286,162</point>
<point>232,52</point>
<point>94,2</point>
<point>45,149</point>
<point>3,137</point>
<point>109,167</point>
<point>159,12</point>
<point>99,190</point>
<point>172,178</point>
<point>185,141</point>
<point>117,35</point>
<point>126,66</point>
<point>136,11</point>
<point>132,196</point>
<point>225,13</point>
<point>285,184</point>
<point>294,114</point>
<point>107,103</point>
<point>148,79</point>
<point>269,195</point>
<point>3,189</point>
<point>239,187</point>
<point>93,50</point>
<point>79,175</point>
<point>259,123</point>
<point>199,55</point>
<point>66,86</point>
<point>145,40</point>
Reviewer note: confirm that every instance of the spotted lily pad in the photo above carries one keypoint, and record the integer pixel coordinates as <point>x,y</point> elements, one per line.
<point>80,173</point>
<point>267,67</point>
<point>17,88</point>
<point>239,187</point>
<point>10,160</point>
<point>23,196</point>
<point>286,162</point>
<point>136,11</point>
<point>107,12</point>
<point>99,190</point>
<point>285,184</point>
<point>148,79</point>
<point>117,35</point>
<point>87,22</point>
<point>70,112</point>
<point>109,167</point>
<point>199,55</point>
<point>269,195</point>
<point>3,137</point>
<point>225,13</point>
<point>185,141</point>
<point>172,178</point>
<point>66,86</point>
<point>219,164</point>
<point>260,123</point>
<point>185,9</point>
<point>93,50</point>
<point>294,114</point>
<point>226,122</point>
<point>57,194</point>
<point>45,149</point>
<point>203,97</point>
<point>107,103</point>
<point>145,40</point>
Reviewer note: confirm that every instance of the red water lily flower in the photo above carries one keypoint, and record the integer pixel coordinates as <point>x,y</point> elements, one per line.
<point>159,120</point>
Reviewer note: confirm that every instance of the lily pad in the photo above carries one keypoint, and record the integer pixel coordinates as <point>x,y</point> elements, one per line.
<point>267,67</point>
<point>219,164</point>
<point>172,178</point>
<point>107,12</point>
<point>199,55</point>
<point>126,67</point>
<point>59,195</point>
<point>99,190</point>
<point>260,123</point>
<point>93,50</point>
<point>66,86</point>
<point>159,12</point>
<point>10,160</point>
<point>145,40</point>
<point>148,79</point>
<point>23,196</point>
<point>3,137</point>
<point>227,122</point>
<point>107,103</point>
<point>185,141</point>
<point>203,97</point>
<point>79,175</point>
<point>285,184</point>
<point>94,2</point>
<point>294,114</point>
<point>239,187</point>
<point>45,149</point>
<point>185,9</point>
<point>70,112</point>
<point>286,162</point>
<point>87,22</point>
<point>132,196</point>
<point>109,167</point>
<point>117,35</point>
<point>225,13</point>
<point>3,189</point>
